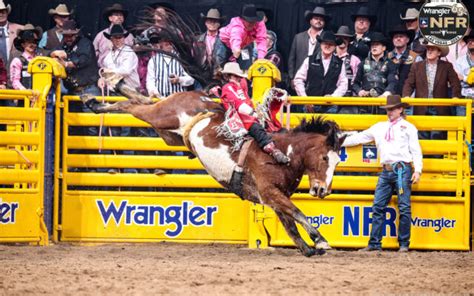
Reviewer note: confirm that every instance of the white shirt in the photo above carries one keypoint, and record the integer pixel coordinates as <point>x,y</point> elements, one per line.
<point>403,147</point>
<point>463,67</point>
<point>124,61</point>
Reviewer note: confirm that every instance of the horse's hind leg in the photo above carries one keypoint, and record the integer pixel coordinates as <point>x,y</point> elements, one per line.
<point>98,107</point>
<point>290,227</point>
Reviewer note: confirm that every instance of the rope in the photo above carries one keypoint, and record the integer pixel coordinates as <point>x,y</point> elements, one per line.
<point>28,162</point>
<point>101,70</point>
<point>188,127</point>
<point>399,172</point>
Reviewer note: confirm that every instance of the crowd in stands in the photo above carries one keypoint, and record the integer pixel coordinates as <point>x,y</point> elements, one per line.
<point>358,62</point>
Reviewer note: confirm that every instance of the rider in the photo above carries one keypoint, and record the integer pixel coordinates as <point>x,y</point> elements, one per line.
<point>234,95</point>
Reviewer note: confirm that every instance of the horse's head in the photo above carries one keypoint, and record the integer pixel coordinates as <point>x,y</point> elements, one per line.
<point>321,155</point>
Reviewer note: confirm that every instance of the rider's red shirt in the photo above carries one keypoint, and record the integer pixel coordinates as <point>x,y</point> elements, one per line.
<point>233,96</point>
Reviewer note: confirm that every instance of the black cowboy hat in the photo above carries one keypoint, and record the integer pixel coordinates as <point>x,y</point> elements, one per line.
<point>213,14</point>
<point>268,13</point>
<point>344,31</point>
<point>401,29</point>
<point>317,11</point>
<point>394,101</point>
<point>363,11</point>
<point>378,37</point>
<point>328,36</point>
<point>250,13</point>
<point>28,33</point>
<point>116,30</point>
<point>116,7</point>
<point>158,36</point>
<point>165,5</point>
<point>69,27</point>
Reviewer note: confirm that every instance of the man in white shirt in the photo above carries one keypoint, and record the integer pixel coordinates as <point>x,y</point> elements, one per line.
<point>398,146</point>
<point>464,67</point>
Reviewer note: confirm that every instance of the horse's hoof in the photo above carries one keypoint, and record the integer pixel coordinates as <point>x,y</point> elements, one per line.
<point>323,246</point>
<point>309,252</point>
<point>92,104</point>
<point>320,252</point>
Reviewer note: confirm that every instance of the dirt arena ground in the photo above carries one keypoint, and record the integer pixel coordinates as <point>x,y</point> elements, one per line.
<point>165,268</point>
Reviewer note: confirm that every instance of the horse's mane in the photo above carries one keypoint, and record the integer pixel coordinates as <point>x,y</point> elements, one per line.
<point>319,125</point>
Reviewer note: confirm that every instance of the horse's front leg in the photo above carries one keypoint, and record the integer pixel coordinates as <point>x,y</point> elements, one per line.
<point>280,203</point>
<point>290,227</point>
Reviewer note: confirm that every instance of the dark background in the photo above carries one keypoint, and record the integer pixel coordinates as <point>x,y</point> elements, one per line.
<point>288,15</point>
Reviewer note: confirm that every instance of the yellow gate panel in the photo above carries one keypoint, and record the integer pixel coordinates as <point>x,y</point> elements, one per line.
<point>346,222</point>
<point>99,218</point>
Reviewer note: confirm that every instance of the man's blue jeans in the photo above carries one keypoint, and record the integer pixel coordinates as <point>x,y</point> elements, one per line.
<point>386,185</point>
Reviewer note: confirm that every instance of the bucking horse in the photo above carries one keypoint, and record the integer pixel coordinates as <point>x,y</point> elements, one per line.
<point>192,119</point>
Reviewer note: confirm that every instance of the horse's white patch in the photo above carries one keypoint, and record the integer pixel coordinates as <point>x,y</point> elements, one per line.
<point>183,120</point>
<point>289,151</point>
<point>217,161</point>
<point>334,159</point>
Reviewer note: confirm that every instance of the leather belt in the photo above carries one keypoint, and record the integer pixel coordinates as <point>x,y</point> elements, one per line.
<point>388,166</point>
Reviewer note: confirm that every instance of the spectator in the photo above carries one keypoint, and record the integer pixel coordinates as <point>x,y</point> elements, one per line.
<point>78,57</point>
<point>115,15</point>
<point>322,74</point>
<point>363,20</point>
<point>213,22</point>
<point>238,34</point>
<point>305,42</point>
<point>272,53</point>
<point>27,43</point>
<point>350,62</point>
<point>376,76</point>
<point>431,79</point>
<point>52,38</point>
<point>411,23</point>
<point>397,142</point>
<point>458,49</point>
<point>464,66</point>
<point>401,56</point>
<point>165,74</point>
<point>234,96</point>
<point>8,33</point>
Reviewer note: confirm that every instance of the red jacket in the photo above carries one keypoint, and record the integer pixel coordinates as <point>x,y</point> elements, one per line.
<point>234,96</point>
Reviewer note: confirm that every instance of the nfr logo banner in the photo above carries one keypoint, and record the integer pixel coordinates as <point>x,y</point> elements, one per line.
<point>8,212</point>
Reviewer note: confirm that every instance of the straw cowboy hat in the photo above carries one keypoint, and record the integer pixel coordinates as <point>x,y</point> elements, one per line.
<point>317,11</point>
<point>344,31</point>
<point>250,13</point>
<point>212,14</point>
<point>410,15</point>
<point>8,7</point>
<point>233,68</point>
<point>364,12</point>
<point>69,28</point>
<point>116,7</point>
<point>116,30</point>
<point>394,101</point>
<point>28,33</point>
<point>443,49</point>
<point>401,29</point>
<point>61,9</point>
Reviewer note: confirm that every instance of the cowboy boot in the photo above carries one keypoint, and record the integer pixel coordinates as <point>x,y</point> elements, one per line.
<point>279,156</point>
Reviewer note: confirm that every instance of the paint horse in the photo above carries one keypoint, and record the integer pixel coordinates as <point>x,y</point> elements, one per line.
<point>192,118</point>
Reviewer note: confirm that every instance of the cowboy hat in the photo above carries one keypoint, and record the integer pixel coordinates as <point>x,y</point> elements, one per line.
<point>250,13</point>
<point>469,36</point>
<point>410,15</point>
<point>317,11</point>
<point>329,37</point>
<point>116,30</point>
<point>28,33</point>
<point>378,37</point>
<point>443,49</point>
<point>69,28</point>
<point>364,12</point>
<point>394,101</point>
<point>344,31</point>
<point>401,29</point>
<point>61,9</point>
<point>116,7</point>
<point>213,14</point>
<point>234,69</point>
<point>7,7</point>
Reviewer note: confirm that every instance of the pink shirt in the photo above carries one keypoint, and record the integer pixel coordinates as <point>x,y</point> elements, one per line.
<point>210,41</point>
<point>236,37</point>
<point>16,69</point>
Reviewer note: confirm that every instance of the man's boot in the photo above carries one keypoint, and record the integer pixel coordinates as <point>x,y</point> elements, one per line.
<point>279,156</point>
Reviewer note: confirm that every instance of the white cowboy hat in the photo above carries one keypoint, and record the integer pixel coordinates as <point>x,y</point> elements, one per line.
<point>7,7</point>
<point>233,68</point>
<point>410,15</point>
<point>61,9</point>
